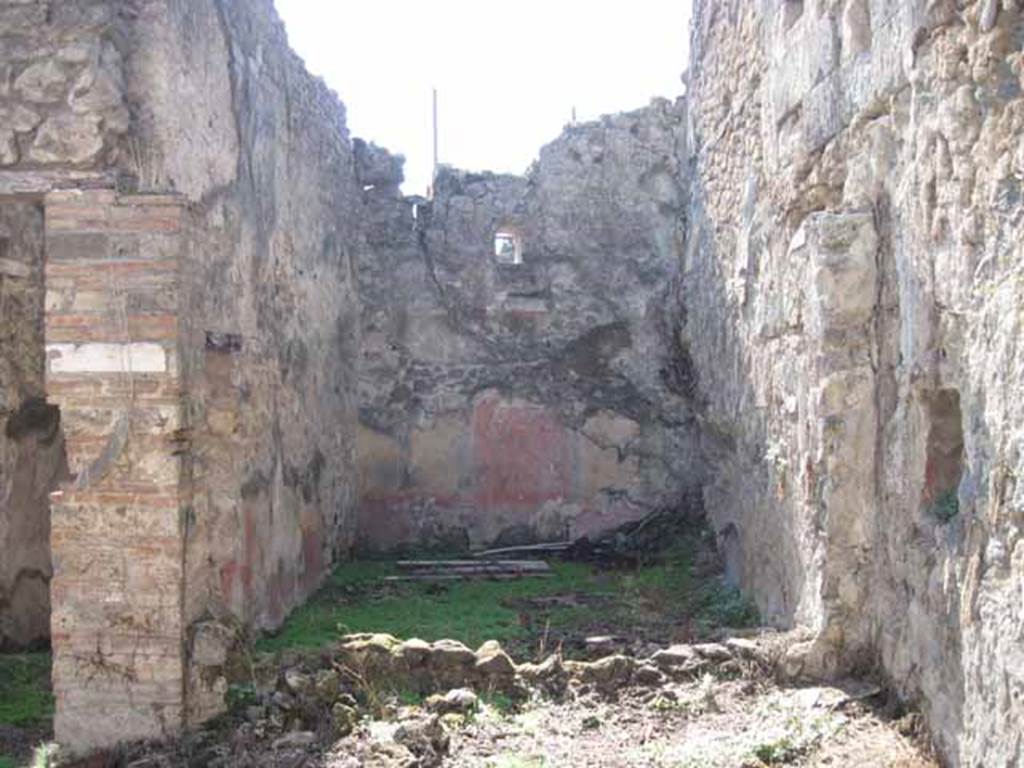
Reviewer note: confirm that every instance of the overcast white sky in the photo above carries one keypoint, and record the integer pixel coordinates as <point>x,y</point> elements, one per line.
<point>508,74</point>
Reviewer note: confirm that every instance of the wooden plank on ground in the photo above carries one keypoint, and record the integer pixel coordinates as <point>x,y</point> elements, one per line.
<point>552,548</point>
<point>453,570</point>
<point>441,565</point>
<point>466,576</point>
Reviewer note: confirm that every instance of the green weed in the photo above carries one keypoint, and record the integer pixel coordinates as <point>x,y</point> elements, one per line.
<point>46,756</point>
<point>502,703</point>
<point>408,697</point>
<point>776,752</point>
<point>25,697</point>
<point>240,696</point>
<point>723,606</point>
<point>946,507</point>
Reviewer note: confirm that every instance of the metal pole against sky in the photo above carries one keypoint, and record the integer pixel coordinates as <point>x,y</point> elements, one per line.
<point>434,174</point>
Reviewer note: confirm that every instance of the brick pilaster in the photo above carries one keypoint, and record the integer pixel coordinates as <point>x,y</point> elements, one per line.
<point>113,366</point>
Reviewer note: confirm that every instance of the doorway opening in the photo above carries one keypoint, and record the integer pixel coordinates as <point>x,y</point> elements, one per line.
<point>32,462</point>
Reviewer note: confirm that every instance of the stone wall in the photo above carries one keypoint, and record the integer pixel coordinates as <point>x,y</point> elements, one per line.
<point>61,107</point>
<point>61,84</point>
<point>534,396</point>
<point>272,315</point>
<point>853,289</point>
<point>200,209</point>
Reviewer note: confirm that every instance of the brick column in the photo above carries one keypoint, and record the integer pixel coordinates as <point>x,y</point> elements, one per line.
<point>112,344</point>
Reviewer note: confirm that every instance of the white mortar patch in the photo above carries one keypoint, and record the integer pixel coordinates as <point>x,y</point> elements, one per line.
<point>141,357</point>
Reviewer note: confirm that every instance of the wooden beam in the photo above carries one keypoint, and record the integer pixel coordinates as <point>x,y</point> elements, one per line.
<point>522,565</point>
<point>466,576</point>
<point>553,547</point>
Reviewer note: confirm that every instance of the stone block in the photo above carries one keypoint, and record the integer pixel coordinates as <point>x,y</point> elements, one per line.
<point>9,154</point>
<point>19,118</point>
<point>146,283</point>
<point>111,391</point>
<point>76,722</point>
<point>809,56</point>
<point>45,82</point>
<point>855,28</point>
<point>73,246</point>
<point>66,138</point>
<point>99,89</point>
<point>92,214</point>
<point>822,117</point>
<point>842,272</point>
<point>79,52</point>
<point>78,515</point>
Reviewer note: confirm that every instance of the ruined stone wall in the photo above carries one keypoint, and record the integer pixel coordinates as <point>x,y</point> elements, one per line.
<point>504,403</point>
<point>61,84</point>
<point>229,117</point>
<point>853,294</point>
<point>183,193</point>
<point>61,107</point>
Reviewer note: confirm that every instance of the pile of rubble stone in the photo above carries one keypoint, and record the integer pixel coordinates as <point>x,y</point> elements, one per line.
<point>312,702</point>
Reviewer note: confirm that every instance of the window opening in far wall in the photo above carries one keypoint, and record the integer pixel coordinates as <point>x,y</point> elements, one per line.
<point>507,247</point>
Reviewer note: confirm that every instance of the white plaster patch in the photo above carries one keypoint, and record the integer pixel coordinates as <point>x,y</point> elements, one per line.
<point>141,357</point>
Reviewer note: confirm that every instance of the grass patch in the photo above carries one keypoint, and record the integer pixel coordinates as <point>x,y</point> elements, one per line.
<point>25,697</point>
<point>356,600</point>
<point>7,762</point>
<point>723,606</point>
<point>677,595</point>
<point>673,593</point>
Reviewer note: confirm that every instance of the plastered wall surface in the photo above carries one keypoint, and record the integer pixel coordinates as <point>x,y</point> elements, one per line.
<point>271,314</point>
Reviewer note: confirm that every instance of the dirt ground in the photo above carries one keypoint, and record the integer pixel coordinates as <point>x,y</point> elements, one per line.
<point>731,716</point>
<point>753,726</point>
<point>730,724</point>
